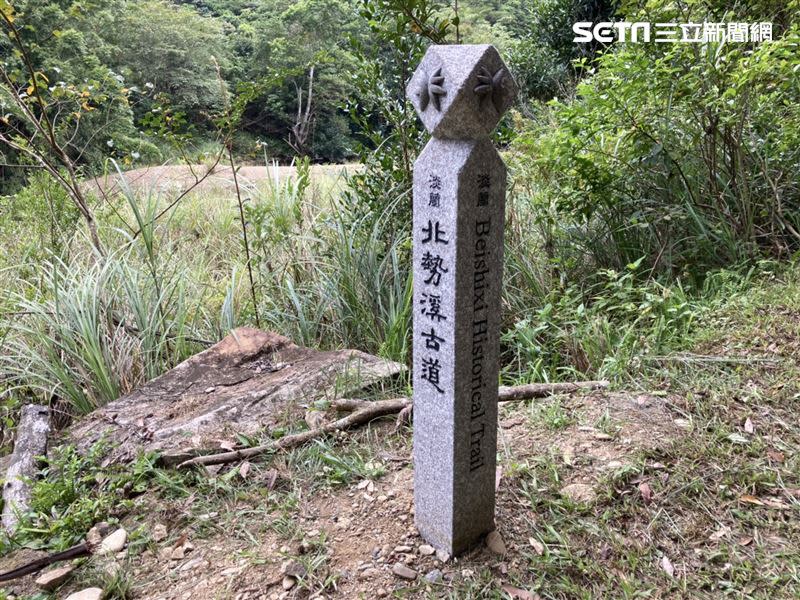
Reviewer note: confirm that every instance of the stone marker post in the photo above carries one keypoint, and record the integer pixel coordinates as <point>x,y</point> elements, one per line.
<point>460,92</point>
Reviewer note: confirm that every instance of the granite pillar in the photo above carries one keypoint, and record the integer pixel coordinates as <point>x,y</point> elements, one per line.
<point>460,93</point>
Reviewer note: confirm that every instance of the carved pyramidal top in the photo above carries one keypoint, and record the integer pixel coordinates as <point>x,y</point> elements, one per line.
<point>461,91</point>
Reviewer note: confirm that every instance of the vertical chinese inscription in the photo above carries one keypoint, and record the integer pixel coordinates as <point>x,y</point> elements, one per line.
<point>436,263</point>
<point>459,199</point>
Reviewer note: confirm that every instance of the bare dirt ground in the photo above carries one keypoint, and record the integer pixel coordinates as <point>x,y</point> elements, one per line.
<point>172,178</point>
<point>346,539</point>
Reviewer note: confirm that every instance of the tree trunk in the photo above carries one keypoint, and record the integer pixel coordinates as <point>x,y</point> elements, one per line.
<point>34,425</point>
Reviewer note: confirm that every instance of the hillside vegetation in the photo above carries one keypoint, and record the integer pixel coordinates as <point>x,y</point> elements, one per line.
<point>652,233</point>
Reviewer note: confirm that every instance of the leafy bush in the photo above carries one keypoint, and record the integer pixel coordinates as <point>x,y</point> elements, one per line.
<point>671,153</point>
<point>75,493</point>
<point>597,331</point>
<point>542,55</point>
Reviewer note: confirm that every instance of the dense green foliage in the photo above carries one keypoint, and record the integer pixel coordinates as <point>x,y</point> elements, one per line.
<point>643,176</point>
<point>681,154</point>
<point>323,79</point>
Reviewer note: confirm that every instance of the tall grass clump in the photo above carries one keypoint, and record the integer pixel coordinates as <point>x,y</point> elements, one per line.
<point>90,329</point>
<point>93,332</point>
<point>369,283</point>
<point>341,280</point>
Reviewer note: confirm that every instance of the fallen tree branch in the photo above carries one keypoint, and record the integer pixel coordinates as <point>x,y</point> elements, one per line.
<point>688,357</point>
<point>543,390</point>
<point>377,409</point>
<point>364,411</point>
<point>505,393</point>
<point>81,549</point>
<point>31,442</point>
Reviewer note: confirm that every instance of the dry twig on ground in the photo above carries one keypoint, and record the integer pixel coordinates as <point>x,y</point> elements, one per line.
<point>364,411</point>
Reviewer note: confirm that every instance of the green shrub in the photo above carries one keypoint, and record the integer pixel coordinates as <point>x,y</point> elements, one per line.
<point>76,492</point>
<point>597,331</point>
<point>672,152</point>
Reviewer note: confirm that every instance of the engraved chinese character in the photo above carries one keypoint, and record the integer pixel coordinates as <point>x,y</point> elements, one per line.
<point>434,232</point>
<point>430,372</point>
<point>435,182</point>
<point>484,181</point>
<point>432,341</point>
<point>434,199</point>
<point>432,307</point>
<point>433,264</point>
<point>483,198</point>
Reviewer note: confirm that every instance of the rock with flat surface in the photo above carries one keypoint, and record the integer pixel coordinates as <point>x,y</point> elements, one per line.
<point>243,384</point>
<point>113,543</point>
<point>93,593</point>
<point>404,572</point>
<point>50,580</point>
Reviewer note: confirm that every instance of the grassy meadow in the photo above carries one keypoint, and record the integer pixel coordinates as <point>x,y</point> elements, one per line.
<point>717,517</point>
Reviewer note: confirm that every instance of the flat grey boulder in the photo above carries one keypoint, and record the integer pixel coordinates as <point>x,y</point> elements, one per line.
<point>50,580</point>
<point>246,383</point>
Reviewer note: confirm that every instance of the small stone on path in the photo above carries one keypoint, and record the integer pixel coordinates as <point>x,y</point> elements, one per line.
<point>50,580</point>
<point>288,582</point>
<point>179,552</point>
<point>369,574</point>
<point>404,572</point>
<point>293,568</point>
<point>426,550</point>
<point>96,534</point>
<point>159,532</point>
<point>434,576</point>
<point>87,594</point>
<point>495,543</point>
<point>113,543</point>
<point>579,492</point>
